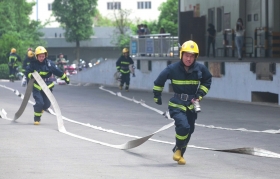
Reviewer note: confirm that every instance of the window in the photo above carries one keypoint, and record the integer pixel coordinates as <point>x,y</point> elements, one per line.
<point>144,5</point>
<point>256,18</point>
<point>220,19</point>
<point>49,6</point>
<point>249,17</point>
<point>113,5</point>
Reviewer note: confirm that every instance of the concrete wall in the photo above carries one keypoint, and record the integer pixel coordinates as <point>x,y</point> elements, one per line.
<point>237,83</point>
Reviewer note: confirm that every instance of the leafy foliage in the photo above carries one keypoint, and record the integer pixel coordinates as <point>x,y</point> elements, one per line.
<point>168,18</point>
<point>4,71</point>
<point>75,17</point>
<point>122,23</point>
<point>16,29</point>
<point>100,21</point>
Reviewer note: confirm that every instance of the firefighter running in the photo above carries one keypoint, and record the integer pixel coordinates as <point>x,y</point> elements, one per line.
<point>13,64</point>
<point>190,81</point>
<point>122,65</point>
<point>45,68</point>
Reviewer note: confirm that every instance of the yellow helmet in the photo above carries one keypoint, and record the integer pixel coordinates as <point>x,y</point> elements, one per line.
<point>13,50</point>
<point>190,47</point>
<point>40,50</point>
<point>30,54</point>
<point>125,50</point>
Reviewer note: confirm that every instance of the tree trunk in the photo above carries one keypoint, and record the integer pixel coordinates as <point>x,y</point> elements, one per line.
<point>77,50</point>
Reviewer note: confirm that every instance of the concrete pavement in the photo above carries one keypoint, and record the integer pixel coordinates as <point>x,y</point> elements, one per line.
<point>29,151</point>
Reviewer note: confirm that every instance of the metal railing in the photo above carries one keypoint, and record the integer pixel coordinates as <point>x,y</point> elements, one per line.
<point>154,45</point>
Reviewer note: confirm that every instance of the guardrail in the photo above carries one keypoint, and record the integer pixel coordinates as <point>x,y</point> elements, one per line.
<point>154,45</point>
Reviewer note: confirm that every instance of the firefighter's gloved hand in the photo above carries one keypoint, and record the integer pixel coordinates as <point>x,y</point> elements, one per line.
<point>67,80</point>
<point>133,75</point>
<point>157,100</point>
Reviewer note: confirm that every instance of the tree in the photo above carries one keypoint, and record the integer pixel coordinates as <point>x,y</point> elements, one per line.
<point>75,17</point>
<point>100,21</point>
<point>16,29</point>
<point>122,23</point>
<point>168,17</point>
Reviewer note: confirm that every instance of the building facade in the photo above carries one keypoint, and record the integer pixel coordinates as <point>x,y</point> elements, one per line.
<point>140,10</point>
<point>260,17</point>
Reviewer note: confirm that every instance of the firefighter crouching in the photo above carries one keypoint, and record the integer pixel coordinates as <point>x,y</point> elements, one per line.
<point>13,64</point>
<point>45,68</point>
<point>122,65</point>
<point>190,81</point>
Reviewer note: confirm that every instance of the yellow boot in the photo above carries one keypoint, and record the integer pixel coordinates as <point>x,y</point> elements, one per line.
<point>177,155</point>
<point>182,161</point>
<point>36,123</point>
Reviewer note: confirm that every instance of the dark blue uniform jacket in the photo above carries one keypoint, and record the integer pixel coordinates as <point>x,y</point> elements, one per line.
<point>196,83</point>
<point>123,64</point>
<point>45,69</point>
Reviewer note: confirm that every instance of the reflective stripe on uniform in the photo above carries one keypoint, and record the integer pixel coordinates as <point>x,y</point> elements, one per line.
<point>124,71</point>
<point>182,137</point>
<point>158,88</point>
<point>182,107</point>
<point>39,114</point>
<point>118,67</point>
<point>125,63</point>
<point>177,106</point>
<point>43,73</point>
<point>39,87</point>
<point>63,76</point>
<point>51,85</point>
<point>156,99</point>
<point>185,82</point>
<point>203,88</point>
<point>29,75</point>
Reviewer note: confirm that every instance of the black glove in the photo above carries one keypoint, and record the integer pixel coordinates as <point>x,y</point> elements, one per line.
<point>157,99</point>
<point>67,80</point>
<point>133,75</point>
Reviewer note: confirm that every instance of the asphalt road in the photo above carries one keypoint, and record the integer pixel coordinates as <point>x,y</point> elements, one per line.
<point>29,151</point>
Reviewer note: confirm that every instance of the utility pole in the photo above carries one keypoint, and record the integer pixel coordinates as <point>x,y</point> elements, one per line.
<point>37,10</point>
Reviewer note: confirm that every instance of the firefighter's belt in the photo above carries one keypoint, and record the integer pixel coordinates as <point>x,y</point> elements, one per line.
<point>184,97</point>
<point>125,68</point>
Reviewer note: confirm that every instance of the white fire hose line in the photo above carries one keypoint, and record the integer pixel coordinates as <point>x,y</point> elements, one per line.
<point>128,145</point>
<point>139,140</point>
<point>245,150</point>
<point>166,114</point>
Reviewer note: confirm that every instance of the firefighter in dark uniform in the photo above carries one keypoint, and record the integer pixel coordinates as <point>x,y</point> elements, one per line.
<point>13,64</point>
<point>28,59</point>
<point>190,82</point>
<point>45,68</point>
<point>123,66</point>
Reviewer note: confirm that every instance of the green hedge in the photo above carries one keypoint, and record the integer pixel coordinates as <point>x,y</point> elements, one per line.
<point>4,71</point>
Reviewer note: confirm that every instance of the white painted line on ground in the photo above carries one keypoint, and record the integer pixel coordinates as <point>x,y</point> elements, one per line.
<point>139,140</point>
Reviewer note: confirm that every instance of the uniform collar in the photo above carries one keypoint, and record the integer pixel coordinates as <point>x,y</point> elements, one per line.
<point>191,68</point>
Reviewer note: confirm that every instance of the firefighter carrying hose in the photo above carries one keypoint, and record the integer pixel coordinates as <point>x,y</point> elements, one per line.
<point>45,68</point>
<point>190,82</point>
<point>13,64</point>
<point>122,65</point>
